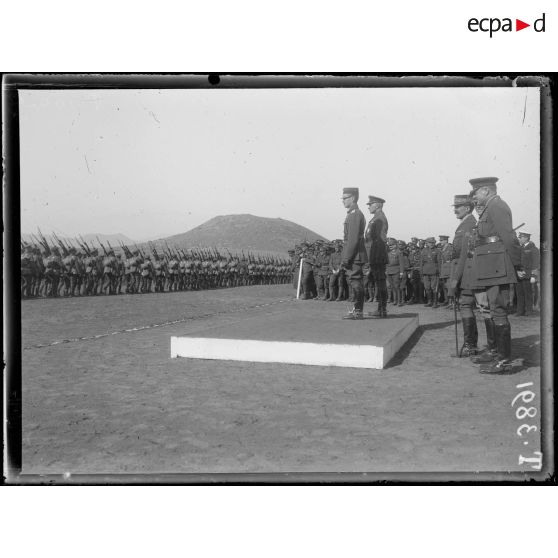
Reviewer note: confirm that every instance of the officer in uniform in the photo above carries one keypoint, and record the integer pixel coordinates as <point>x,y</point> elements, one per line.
<point>335,287</point>
<point>307,275</point>
<point>416,281</point>
<point>353,256</point>
<point>445,253</point>
<point>530,262</point>
<point>429,271</point>
<point>375,238</point>
<point>395,270</point>
<point>459,282</point>
<point>404,284</point>
<point>496,265</point>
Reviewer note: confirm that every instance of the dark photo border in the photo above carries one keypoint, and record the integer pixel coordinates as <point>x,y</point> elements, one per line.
<point>12,427</point>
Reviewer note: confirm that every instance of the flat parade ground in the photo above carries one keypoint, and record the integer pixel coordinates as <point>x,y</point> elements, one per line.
<point>101,395</point>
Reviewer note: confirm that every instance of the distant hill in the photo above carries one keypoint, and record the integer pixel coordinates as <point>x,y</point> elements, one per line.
<point>244,232</point>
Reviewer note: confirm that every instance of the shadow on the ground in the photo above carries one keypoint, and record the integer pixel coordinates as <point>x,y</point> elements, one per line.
<point>526,351</point>
<point>405,351</point>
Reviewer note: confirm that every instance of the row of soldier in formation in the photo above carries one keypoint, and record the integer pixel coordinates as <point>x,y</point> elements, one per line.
<point>62,269</point>
<point>486,258</point>
<point>417,272</point>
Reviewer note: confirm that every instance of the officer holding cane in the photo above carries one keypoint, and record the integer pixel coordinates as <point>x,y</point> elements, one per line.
<point>459,282</point>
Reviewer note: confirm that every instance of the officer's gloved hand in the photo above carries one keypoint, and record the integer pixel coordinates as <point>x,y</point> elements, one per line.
<point>533,280</point>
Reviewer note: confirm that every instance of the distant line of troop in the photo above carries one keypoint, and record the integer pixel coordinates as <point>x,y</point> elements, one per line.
<point>53,271</point>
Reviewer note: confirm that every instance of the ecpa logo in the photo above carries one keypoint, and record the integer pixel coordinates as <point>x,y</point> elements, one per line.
<point>494,24</point>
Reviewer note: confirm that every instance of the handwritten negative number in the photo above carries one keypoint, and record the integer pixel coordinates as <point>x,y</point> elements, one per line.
<point>526,427</point>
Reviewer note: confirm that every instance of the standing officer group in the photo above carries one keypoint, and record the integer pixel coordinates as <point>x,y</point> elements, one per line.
<point>487,261</point>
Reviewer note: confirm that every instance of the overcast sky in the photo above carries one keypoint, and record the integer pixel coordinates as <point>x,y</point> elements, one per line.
<point>151,163</point>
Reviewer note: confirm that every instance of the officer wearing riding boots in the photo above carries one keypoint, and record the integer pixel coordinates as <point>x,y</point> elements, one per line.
<point>353,256</point>
<point>459,282</point>
<point>375,238</point>
<point>496,262</point>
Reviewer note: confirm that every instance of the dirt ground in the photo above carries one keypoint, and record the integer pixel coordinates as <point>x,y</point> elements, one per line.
<point>102,395</point>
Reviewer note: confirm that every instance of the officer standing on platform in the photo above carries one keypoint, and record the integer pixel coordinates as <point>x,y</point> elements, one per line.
<point>530,261</point>
<point>459,282</point>
<point>496,265</point>
<point>353,256</point>
<point>375,239</point>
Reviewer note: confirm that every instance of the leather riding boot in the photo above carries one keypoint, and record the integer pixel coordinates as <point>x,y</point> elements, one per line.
<point>435,297</point>
<point>490,353</point>
<point>380,311</point>
<point>502,363</point>
<point>470,336</point>
<point>429,297</point>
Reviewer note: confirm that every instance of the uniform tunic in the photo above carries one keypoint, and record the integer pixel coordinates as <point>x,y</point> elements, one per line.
<point>461,264</point>
<point>494,262</point>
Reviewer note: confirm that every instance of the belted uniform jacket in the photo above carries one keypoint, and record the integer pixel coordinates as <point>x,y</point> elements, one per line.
<point>353,237</point>
<point>375,238</point>
<point>461,267</point>
<point>494,262</point>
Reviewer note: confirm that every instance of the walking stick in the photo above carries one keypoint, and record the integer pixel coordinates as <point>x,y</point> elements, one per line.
<point>457,353</point>
<point>299,279</point>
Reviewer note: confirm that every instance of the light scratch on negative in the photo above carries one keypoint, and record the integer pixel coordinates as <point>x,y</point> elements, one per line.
<point>87,163</point>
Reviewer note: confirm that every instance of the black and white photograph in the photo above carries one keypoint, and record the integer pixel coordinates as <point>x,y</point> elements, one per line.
<point>278,279</point>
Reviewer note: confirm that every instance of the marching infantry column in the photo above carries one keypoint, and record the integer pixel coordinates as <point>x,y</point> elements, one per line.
<point>496,265</point>
<point>353,256</point>
<point>375,240</point>
<point>459,282</point>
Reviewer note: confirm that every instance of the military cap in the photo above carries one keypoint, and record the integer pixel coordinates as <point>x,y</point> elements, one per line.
<point>414,239</point>
<point>392,242</point>
<point>443,237</point>
<point>350,192</point>
<point>525,234</point>
<point>431,239</point>
<point>462,199</point>
<point>477,183</point>
<point>374,199</point>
